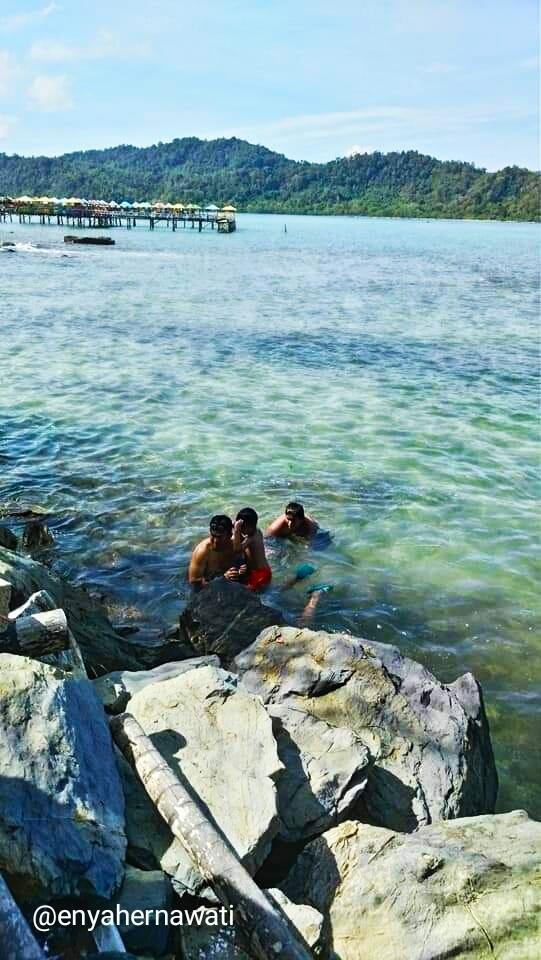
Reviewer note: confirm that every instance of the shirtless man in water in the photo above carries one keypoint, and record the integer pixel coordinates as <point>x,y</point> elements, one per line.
<point>248,539</point>
<point>215,556</point>
<point>293,523</point>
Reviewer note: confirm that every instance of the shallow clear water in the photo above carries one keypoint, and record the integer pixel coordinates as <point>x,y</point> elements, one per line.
<point>384,372</point>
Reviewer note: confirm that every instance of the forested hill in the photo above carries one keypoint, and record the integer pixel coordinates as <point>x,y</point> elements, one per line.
<point>257,179</point>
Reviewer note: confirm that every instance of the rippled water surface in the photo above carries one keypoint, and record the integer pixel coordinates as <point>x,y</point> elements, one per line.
<point>383,372</point>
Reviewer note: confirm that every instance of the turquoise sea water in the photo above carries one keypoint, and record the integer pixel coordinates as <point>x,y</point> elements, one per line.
<point>384,372</point>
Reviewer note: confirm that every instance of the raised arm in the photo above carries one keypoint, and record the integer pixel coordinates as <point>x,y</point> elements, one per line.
<point>238,543</point>
<point>276,528</point>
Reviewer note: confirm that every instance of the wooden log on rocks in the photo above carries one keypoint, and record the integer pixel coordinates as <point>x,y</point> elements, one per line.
<point>268,932</point>
<point>42,633</point>
<point>16,938</point>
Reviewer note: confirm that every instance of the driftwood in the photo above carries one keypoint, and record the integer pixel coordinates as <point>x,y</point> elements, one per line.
<point>70,658</point>
<point>42,633</point>
<point>16,938</point>
<point>268,931</point>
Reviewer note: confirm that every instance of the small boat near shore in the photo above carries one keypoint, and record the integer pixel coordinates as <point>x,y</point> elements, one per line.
<point>96,241</point>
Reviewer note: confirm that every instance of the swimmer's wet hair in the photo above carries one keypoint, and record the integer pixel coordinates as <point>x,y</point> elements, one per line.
<point>221,524</point>
<point>296,509</point>
<point>248,516</point>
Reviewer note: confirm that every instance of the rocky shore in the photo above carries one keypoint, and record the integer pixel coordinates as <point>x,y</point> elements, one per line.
<point>355,788</point>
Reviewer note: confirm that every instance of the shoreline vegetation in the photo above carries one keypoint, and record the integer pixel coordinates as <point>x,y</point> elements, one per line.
<point>261,766</point>
<point>403,184</point>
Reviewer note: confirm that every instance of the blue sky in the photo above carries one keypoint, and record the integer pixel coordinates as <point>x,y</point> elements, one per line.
<point>314,80</point>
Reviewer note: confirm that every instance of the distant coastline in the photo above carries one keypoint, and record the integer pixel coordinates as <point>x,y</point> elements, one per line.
<point>258,180</point>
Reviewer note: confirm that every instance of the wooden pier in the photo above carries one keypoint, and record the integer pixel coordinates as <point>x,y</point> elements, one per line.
<point>99,216</point>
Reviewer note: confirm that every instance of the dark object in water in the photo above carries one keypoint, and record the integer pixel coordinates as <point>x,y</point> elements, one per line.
<point>8,538</point>
<point>36,535</point>
<point>225,618</point>
<point>98,241</point>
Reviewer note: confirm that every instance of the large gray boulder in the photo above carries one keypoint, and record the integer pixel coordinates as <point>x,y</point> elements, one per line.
<point>465,888</point>
<point>102,648</point>
<point>61,800</point>
<point>116,689</point>
<point>218,738</point>
<point>225,618</point>
<point>429,742</point>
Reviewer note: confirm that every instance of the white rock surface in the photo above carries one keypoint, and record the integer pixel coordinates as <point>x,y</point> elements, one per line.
<point>116,689</point>
<point>219,738</point>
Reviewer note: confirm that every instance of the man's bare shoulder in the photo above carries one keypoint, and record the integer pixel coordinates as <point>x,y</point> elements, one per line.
<point>202,548</point>
<point>277,526</point>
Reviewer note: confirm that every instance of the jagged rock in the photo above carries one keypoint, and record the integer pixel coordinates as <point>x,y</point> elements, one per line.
<point>37,603</point>
<point>225,618</point>
<point>465,888</point>
<point>325,771</point>
<point>145,890</point>
<point>61,802</point>
<point>219,738</point>
<point>116,689</point>
<point>305,919</point>
<point>152,649</point>
<point>8,539</point>
<point>430,744</point>
<point>103,650</point>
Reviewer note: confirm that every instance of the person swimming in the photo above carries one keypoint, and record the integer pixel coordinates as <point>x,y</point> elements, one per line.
<point>215,555</point>
<point>248,539</point>
<point>294,522</point>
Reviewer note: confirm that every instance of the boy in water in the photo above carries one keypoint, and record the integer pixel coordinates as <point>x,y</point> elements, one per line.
<point>293,523</point>
<point>215,556</point>
<point>248,539</point>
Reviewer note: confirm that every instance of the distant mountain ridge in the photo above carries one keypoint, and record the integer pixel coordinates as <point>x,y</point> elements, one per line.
<point>257,179</point>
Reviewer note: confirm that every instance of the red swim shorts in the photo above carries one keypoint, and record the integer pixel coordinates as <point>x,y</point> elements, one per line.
<point>259,578</point>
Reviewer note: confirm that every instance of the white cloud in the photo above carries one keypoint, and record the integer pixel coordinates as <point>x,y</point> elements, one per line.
<point>9,71</point>
<point>356,150</point>
<point>50,94</point>
<point>105,45</point>
<point>375,122</point>
<point>19,20</point>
